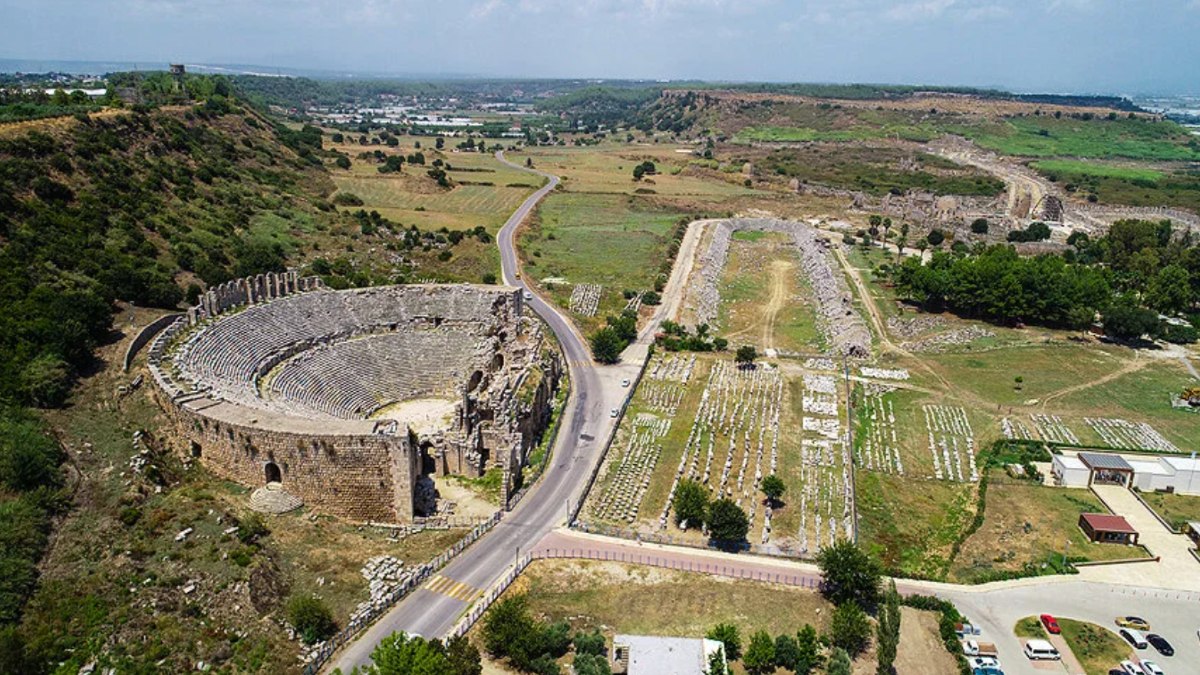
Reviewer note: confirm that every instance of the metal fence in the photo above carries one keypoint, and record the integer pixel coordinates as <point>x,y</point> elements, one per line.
<point>423,573</point>
<point>670,540</point>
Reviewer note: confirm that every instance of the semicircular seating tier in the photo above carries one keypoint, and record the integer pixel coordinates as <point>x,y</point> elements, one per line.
<point>342,354</point>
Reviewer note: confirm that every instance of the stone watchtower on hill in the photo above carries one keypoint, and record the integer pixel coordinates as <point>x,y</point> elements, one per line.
<point>178,72</point>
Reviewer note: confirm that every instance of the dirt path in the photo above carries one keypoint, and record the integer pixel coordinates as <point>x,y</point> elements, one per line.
<point>868,302</point>
<point>780,271</point>
<point>1133,365</point>
<point>921,649</point>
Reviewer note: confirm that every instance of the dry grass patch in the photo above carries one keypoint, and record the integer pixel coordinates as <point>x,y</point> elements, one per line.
<point>1028,526</point>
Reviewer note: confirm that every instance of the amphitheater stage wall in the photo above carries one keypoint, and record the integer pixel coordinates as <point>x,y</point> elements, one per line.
<point>347,471</point>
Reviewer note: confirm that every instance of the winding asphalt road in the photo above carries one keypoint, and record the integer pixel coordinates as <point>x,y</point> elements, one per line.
<point>432,610</point>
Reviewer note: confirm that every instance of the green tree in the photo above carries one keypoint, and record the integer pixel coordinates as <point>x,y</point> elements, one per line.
<point>727,522</point>
<point>311,618</point>
<point>507,630</point>
<point>787,652</point>
<point>979,226</point>
<point>463,656</point>
<point>727,635</point>
<point>1170,290</point>
<point>849,628</point>
<point>746,354</point>
<point>808,650</point>
<point>590,643</point>
<point>29,458</point>
<point>638,172</point>
<point>773,487</point>
<point>342,162</point>
<point>760,654</point>
<point>716,663</point>
<point>887,638</point>
<point>46,381</point>
<point>935,237</point>
<point>607,345</point>
<point>849,575</point>
<point>691,503</point>
<point>400,654</point>
<point>840,664</point>
<point>1125,320</point>
<point>591,664</point>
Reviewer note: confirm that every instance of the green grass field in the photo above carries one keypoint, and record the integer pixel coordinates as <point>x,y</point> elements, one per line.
<point>1175,509</point>
<point>912,524</point>
<point>616,241</point>
<point>1096,138</point>
<point>1125,185</point>
<point>756,268</point>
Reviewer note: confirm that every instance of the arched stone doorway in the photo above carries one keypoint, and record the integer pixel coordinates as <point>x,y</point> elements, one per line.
<point>273,474</point>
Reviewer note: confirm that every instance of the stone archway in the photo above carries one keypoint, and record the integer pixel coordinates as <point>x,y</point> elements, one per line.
<point>272,473</point>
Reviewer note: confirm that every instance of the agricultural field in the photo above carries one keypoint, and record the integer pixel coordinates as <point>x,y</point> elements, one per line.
<point>701,417</point>
<point>765,297</point>
<point>485,191</point>
<point>1028,526</point>
<point>616,242</point>
<point>602,228</point>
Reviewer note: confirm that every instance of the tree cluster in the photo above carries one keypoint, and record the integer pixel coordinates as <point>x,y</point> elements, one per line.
<point>618,333</point>
<point>727,523</point>
<point>802,653</point>
<point>675,337</point>
<point>401,654</point>
<point>531,646</point>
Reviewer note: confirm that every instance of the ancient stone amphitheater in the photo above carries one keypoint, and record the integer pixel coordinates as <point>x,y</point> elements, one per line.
<point>355,400</point>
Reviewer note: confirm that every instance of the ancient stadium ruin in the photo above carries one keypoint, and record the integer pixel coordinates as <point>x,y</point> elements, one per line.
<point>354,400</point>
<point>843,327</point>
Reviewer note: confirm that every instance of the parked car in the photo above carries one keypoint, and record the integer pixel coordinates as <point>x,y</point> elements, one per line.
<point>1134,622</point>
<point>1134,638</point>
<point>1040,650</point>
<point>978,662</point>
<point>987,671</point>
<point>1151,668</point>
<point>1129,668</point>
<point>1160,643</point>
<point>970,648</point>
<point>1051,624</point>
<point>614,412</point>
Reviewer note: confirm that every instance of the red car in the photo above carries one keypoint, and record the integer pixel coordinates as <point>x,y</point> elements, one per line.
<point>1051,624</point>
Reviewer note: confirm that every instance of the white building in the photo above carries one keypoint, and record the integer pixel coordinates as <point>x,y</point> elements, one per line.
<point>1070,471</point>
<point>1148,473</point>
<point>654,655</point>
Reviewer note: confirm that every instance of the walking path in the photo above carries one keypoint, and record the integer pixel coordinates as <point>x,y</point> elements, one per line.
<point>1175,568</point>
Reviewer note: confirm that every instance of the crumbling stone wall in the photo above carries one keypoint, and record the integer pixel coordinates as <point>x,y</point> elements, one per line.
<point>366,476</point>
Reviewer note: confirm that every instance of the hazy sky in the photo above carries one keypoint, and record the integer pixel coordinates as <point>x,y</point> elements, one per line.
<point>1118,46</point>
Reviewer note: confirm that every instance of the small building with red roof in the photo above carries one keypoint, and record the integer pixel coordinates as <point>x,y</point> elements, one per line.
<point>1105,528</point>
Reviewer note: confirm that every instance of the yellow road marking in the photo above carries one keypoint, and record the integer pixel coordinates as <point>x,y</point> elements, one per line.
<point>451,588</point>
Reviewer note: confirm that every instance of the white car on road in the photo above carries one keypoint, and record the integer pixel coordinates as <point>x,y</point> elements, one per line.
<point>1151,668</point>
